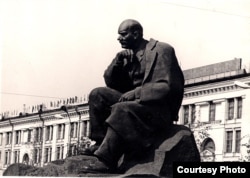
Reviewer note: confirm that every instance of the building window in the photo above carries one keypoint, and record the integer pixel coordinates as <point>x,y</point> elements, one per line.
<point>231,109</point>
<point>234,108</point>
<point>239,107</point>
<point>59,152</point>
<point>18,136</point>
<point>35,155</point>
<point>62,152</point>
<point>16,156</point>
<point>29,135</point>
<point>49,133</point>
<point>37,152</point>
<point>1,139</point>
<point>9,138</point>
<point>74,129</point>
<point>211,111</point>
<point>193,111</point>
<point>47,155</point>
<point>186,114</point>
<point>7,158</point>
<point>85,128</point>
<point>38,135</point>
<point>61,131</point>
<point>229,141</point>
<point>237,141</point>
<point>73,150</point>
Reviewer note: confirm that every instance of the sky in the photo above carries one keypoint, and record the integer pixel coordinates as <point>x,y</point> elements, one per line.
<point>55,49</point>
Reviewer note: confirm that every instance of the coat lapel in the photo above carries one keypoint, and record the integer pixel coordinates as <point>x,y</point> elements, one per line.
<point>150,57</point>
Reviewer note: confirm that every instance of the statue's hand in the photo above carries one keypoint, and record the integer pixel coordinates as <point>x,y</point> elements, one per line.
<point>124,55</point>
<point>128,96</point>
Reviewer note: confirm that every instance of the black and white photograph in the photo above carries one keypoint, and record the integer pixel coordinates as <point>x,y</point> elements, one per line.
<point>125,88</point>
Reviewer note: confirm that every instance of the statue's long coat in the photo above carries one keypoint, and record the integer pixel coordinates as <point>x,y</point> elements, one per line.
<point>158,99</point>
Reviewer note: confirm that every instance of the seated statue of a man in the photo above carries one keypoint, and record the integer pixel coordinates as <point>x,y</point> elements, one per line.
<point>144,92</point>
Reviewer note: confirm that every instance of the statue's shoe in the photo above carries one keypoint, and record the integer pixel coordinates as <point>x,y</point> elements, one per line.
<point>97,167</point>
<point>89,151</point>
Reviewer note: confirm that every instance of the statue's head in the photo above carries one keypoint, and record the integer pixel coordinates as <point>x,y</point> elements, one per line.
<point>130,34</point>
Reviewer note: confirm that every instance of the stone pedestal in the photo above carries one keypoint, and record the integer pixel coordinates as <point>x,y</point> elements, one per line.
<point>176,145</point>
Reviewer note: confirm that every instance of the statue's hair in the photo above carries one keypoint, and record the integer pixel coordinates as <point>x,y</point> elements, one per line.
<point>134,25</point>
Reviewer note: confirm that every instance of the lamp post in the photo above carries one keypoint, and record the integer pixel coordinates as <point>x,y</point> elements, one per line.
<point>65,109</point>
<point>78,129</point>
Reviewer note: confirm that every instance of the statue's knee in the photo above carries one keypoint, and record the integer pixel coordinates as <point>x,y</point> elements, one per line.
<point>96,92</point>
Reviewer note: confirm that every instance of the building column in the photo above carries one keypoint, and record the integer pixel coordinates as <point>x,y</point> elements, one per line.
<point>224,111</point>
<point>234,140</point>
<point>4,142</point>
<point>11,157</point>
<point>80,127</point>
<point>74,130</point>
<point>235,108</point>
<point>197,113</point>
<point>189,114</point>
<point>62,136</point>
<point>180,120</point>
<point>66,139</point>
<point>33,137</point>
<point>43,145</point>
<point>245,121</point>
<point>50,132</point>
<point>53,142</point>
<point>88,128</point>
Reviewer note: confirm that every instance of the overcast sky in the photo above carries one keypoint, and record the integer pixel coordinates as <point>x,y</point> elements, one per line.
<point>51,49</point>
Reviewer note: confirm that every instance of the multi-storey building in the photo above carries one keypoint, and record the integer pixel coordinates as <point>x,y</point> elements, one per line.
<point>42,137</point>
<point>215,106</point>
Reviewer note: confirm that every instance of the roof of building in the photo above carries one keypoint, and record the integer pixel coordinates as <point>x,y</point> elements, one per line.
<point>214,72</point>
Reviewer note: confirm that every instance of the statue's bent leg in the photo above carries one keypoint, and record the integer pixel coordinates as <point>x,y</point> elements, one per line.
<point>100,101</point>
<point>111,149</point>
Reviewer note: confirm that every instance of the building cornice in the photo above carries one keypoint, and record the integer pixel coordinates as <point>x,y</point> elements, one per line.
<point>46,116</point>
<point>214,88</point>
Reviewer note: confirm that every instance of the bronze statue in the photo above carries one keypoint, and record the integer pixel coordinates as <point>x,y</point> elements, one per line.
<point>144,92</point>
<point>132,117</point>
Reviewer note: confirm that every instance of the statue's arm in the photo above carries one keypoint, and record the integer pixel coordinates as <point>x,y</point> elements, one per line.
<point>116,77</point>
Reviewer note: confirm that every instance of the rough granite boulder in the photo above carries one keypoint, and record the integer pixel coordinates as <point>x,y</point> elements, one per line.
<point>177,146</point>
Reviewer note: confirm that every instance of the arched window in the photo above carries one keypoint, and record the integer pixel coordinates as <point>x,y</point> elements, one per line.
<point>26,159</point>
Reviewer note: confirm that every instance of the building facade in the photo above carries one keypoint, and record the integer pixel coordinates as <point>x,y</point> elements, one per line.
<point>215,107</point>
<point>40,138</point>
